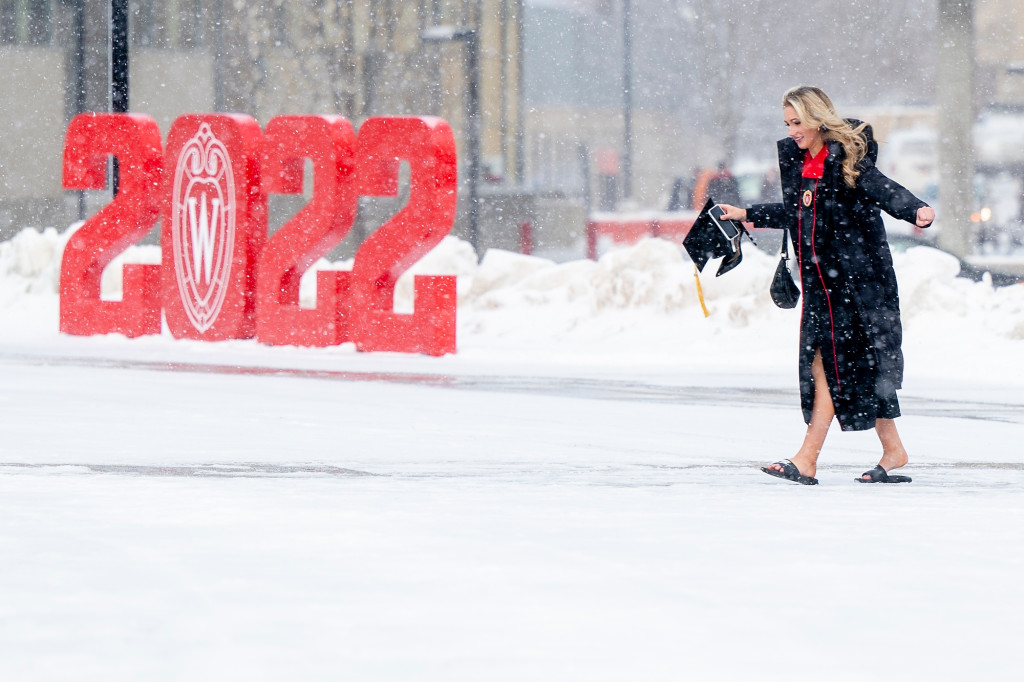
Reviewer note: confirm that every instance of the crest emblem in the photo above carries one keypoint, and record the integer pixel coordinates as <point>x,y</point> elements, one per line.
<point>203,226</point>
<point>808,197</point>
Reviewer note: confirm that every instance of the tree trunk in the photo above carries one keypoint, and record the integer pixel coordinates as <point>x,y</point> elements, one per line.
<point>955,98</point>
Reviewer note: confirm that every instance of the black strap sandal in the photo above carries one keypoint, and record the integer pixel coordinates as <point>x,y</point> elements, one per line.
<point>880,475</point>
<point>790,473</point>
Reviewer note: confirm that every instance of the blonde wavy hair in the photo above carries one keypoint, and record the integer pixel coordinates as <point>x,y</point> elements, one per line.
<point>816,110</point>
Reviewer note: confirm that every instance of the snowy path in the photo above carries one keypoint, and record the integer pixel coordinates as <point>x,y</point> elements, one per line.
<point>303,524</point>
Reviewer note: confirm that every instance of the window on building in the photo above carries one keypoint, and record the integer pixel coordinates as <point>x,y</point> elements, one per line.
<point>26,22</point>
<point>169,24</point>
<point>142,23</point>
<point>555,162</point>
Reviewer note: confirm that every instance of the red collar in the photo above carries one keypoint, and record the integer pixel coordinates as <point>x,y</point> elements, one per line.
<point>815,167</point>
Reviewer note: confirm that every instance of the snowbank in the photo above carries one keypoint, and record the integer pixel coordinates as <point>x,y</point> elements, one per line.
<point>639,303</point>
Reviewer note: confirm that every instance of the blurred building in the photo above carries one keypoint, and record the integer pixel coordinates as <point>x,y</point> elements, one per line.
<point>575,105</point>
<point>550,83</point>
<point>999,50</point>
<point>357,59</point>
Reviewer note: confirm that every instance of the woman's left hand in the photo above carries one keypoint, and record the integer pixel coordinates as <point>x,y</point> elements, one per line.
<point>925,216</point>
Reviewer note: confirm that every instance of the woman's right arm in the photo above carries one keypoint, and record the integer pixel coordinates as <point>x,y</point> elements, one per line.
<point>762,215</point>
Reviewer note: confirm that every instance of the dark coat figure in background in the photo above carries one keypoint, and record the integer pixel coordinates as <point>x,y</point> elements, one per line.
<point>770,187</point>
<point>679,199</point>
<point>723,187</point>
<point>851,361</point>
<point>716,184</point>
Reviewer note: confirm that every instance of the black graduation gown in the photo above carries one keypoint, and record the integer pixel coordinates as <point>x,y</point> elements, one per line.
<point>850,302</point>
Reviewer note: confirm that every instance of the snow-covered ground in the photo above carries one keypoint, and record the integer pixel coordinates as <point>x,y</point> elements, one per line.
<point>573,495</point>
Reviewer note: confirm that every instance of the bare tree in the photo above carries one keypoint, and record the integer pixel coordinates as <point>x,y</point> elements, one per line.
<point>740,55</point>
<point>956,119</point>
<point>720,65</point>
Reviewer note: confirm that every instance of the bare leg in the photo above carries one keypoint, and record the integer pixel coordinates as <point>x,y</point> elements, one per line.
<point>822,414</point>
<point>894,455</point>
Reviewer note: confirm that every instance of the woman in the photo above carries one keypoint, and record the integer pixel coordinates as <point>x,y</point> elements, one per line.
<point>851,362</point>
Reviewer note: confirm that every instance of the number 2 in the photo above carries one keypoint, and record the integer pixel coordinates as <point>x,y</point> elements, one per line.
<point>428,145</point>
<point>134,140</point>
<point>329,142</point>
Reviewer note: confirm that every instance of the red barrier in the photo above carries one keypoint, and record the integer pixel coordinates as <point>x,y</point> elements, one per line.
<point>629,229</point>
<point>526,238</point>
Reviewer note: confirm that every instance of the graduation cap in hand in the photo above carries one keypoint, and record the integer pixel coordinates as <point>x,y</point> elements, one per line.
<point>714,237</point>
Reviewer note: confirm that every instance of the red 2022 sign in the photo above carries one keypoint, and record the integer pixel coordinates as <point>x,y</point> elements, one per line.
<point>220,276</point>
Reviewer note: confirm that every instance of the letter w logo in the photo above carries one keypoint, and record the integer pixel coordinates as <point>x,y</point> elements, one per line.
<point>203,227</point>
<point>203,231</point>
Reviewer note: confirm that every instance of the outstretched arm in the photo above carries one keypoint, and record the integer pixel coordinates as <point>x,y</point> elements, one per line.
<point>894,198</point>
<point>762,215</point>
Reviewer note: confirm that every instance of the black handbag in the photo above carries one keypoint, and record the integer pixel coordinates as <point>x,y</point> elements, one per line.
<point>784,290</point>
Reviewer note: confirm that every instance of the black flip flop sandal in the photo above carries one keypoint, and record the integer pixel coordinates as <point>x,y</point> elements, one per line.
<point>790,473</point>
<point>880,475</point>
